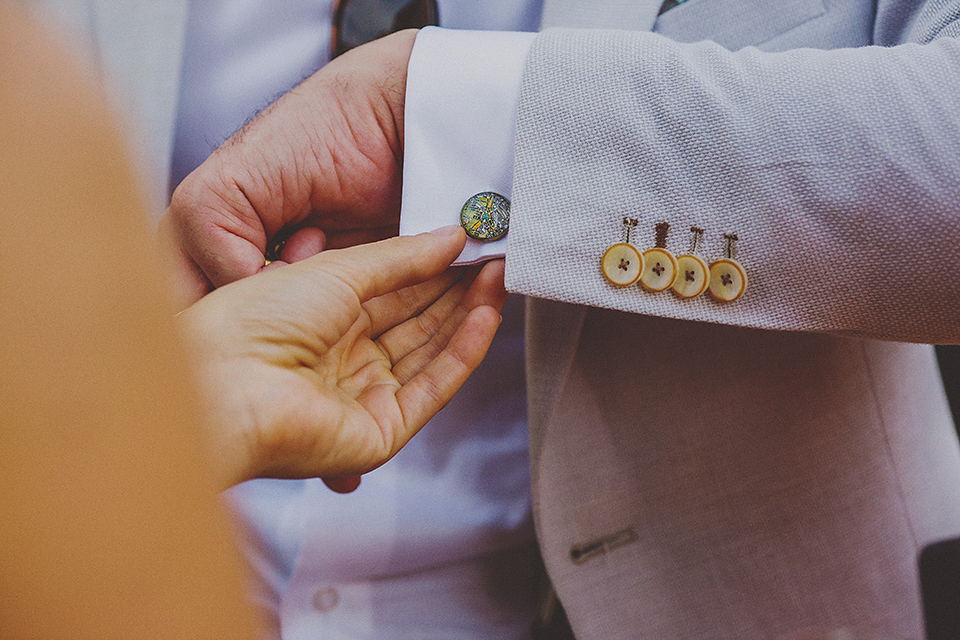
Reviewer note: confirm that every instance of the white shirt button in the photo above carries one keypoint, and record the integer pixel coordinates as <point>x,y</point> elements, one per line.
<point>325,599</point>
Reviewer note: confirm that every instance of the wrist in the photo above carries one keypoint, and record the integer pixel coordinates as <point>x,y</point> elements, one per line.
<point>376,74</point>
<point>201,327</point>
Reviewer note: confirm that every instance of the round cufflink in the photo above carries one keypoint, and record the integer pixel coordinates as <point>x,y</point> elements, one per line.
<point>693,274</point>
<point>621,262</point>
<point>659,265</point>
<point>728,280</point>
<point>485,216</point>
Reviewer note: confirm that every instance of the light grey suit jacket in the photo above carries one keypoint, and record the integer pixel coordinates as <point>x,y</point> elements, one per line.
<point>749,469</point>
<point>716,471</point>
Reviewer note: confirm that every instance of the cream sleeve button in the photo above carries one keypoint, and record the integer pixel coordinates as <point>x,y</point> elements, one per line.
<point>693,276</point>
<point>621,264</point>
<point>659,269</point>
<point>728,280</point>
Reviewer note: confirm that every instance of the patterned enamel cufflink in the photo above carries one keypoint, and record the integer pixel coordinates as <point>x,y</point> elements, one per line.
<point>486,216</point>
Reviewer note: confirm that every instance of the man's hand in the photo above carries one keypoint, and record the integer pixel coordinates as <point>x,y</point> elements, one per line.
<point>323,162</point>
<point>328,366</point>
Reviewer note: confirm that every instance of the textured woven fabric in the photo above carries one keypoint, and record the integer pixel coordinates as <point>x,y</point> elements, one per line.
<point>838,170</point>
<point>757,482</point>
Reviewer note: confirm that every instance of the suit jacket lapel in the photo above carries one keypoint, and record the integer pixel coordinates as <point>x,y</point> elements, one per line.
<point>635,15</point>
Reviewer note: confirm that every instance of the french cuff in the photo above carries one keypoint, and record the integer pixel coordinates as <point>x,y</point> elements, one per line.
<point>460,120</point>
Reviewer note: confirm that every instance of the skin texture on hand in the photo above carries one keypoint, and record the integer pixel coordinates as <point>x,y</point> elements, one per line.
<point>324,161</point>
<point>328,366</point>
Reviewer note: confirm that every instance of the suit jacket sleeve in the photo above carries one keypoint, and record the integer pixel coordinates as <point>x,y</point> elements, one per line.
<point>839,171</point>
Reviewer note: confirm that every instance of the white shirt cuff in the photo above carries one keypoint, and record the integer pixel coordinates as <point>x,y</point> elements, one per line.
<point>460,121</point>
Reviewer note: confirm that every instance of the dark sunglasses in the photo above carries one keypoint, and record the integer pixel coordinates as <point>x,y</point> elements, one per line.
<point>356,22</point>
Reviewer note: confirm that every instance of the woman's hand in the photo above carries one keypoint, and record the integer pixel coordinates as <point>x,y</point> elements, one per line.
<point>328,366</point>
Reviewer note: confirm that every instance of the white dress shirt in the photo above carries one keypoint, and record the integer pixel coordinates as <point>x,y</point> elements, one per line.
<point>438,542</point>
<point>460,142</point>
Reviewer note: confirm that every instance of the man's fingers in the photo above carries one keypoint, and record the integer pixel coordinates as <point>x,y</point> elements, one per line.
<point>431,389</point>
<point>342,484</point>
<point>343,239</point>
<point>303,243</point>
<point>189,282</point>
<point>216,223</point>
<point>327,154</point>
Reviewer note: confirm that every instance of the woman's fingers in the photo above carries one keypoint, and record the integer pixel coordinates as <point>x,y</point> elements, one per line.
<point>414,344</point>
<point>375,269</point>
<point>431,374</point>
<point>409,328</point>
<point>391,310</point>
<point>431,389</point>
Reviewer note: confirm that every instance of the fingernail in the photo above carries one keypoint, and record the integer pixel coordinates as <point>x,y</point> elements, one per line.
<point>446,231</point>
